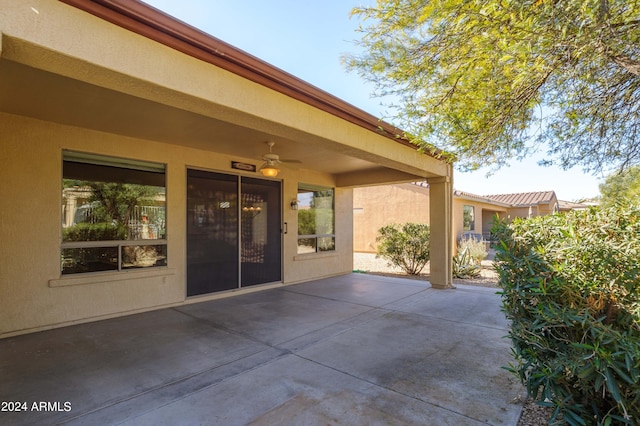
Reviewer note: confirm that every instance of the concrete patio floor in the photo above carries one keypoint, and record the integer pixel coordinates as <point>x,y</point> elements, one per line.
<point>351,350</point>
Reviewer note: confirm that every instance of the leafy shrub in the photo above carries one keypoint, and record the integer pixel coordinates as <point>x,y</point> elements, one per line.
<point>477,249</point>
<point>405,246</point>
<point>94,232</point>
<point>463,264</point>
<point>571,288</point>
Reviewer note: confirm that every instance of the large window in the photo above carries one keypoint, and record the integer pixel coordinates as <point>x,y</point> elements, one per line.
<point>468,218</point>
<point>113,214</point>
<point>316,219</point>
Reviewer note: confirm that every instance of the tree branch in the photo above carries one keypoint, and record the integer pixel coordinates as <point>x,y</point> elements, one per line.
<point>627,63</point>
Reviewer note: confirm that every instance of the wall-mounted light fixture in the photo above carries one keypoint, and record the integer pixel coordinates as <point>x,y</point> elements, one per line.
<point>294,204</point>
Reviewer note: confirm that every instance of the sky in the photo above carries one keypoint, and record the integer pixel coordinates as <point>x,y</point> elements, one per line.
<point>307,39</point>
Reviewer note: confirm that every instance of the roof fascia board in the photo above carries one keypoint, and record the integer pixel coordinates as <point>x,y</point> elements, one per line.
<point>156,25</point>
<point>479,199</point>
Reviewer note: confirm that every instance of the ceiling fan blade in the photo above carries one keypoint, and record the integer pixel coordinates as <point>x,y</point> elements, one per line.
<point>272,157</point>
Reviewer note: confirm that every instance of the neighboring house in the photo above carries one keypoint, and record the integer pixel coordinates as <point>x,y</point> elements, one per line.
<point>565,206</point>
<point>136,172</point>
<point>474,214</point>
<point>529,204</point>
<point>375,207</point>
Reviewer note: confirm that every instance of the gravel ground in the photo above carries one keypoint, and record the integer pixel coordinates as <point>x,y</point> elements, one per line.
<point>367,262</point>
<point>532,414</point>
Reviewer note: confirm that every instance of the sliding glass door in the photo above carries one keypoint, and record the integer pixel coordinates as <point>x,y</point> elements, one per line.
<point>260,230</point>
<point>212,232</point>
<point>233,232</point>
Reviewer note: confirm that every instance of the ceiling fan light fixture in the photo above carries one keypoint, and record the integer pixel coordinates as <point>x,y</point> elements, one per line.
<point>269,170</point>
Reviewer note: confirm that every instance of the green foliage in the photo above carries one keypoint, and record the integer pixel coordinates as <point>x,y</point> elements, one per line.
<point>306,222</point>
<point>472,75</point>
<point>94,232</point>
<point>318,218</point>
<point>468,218</point>
<point>571,288</point>
<point>621,186</point>
<point>463,264</point>
<point>467,261</point>
<point>477,249</point>
<point>117,200</point>
<point>405,246</point>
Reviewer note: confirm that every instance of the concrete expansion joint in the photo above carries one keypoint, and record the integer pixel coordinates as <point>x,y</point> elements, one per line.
<point>328,332</point>
<point>333,299</point>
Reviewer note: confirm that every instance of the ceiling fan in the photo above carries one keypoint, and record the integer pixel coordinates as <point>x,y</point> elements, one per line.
<point>269,168</point>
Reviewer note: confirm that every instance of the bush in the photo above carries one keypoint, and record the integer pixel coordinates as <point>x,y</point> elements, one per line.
<point>571,288</point>
<point>463,264</point>
<point>476,248</point>
<point>405,246</point>
<point>94,232</point>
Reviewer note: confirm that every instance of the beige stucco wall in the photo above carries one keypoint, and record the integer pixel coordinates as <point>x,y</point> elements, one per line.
<point>304,267</point>
<point>34,295</point>
<point>523,212</point>
<point>484,213</point>
<point>82,97</point>
<point>377,206</point>
<point>542,209</point>
<point>50,35</point>
<point>488,218</point>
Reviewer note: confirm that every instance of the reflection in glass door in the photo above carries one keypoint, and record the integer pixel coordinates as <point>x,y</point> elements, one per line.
<point>212,232</point>
<point>231,244</point>
<point>260,231</point>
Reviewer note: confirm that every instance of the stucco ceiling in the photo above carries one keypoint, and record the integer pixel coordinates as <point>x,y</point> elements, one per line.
<point>52,97</point>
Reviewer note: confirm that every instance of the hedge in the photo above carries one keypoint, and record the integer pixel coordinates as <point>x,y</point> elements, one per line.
<point>571,290</point>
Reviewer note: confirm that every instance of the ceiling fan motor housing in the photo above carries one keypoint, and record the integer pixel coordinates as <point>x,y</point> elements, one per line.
<point>271,157</point>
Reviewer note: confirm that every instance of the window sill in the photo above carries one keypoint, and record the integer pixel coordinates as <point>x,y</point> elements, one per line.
<point>103,277</point>
<point>312,256</point>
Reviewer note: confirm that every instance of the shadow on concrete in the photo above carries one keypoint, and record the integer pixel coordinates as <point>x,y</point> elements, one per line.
<point>352,350</point>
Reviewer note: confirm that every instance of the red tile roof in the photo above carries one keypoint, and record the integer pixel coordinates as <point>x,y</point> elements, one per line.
<point>481,198</point>
<point>524,198</point>
<point>570,205</point>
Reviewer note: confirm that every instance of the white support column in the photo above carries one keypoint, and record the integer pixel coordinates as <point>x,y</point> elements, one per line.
<point>441,215</point>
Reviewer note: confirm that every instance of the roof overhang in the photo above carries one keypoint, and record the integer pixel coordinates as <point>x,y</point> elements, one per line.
<point>480,199</point>
<point>129,69</point>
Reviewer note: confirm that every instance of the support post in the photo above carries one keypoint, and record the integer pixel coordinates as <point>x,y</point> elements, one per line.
<point>441,216</point>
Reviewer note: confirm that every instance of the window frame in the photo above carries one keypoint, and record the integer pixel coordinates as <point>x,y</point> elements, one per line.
<point>308,188</point>
<point>472,222</point>
<point>88,160</point>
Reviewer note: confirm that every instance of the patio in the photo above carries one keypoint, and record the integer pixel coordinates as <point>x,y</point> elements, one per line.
<point>353,349</point>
